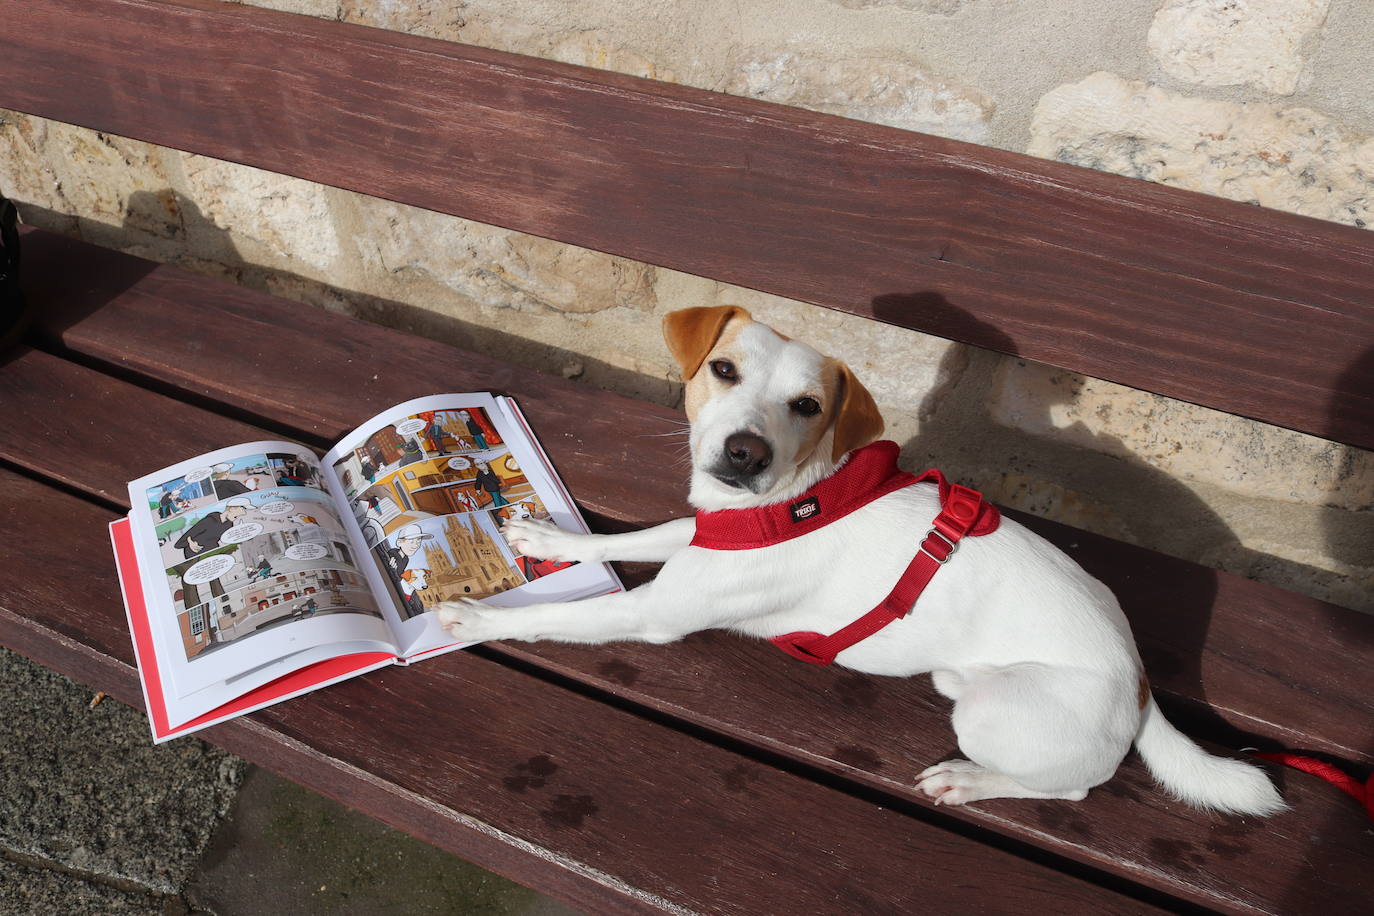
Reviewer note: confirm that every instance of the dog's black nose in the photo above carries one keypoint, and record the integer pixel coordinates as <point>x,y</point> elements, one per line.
<point>747,453</point>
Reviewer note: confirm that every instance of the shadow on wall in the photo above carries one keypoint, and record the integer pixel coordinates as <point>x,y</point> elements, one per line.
<point>1130,499</point>
<point>1356,631</point>
<point>177,232</point>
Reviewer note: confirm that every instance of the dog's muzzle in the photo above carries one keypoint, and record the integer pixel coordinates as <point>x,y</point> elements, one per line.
<point>742,459</point>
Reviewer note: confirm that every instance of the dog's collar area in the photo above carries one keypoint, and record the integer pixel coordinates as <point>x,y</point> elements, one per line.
<point>871,472</point>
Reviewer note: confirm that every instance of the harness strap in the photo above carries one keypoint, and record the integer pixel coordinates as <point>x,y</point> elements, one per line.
<point>960,510</point>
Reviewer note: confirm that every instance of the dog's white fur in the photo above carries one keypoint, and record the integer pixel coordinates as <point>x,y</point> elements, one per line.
<point>1037,656</point>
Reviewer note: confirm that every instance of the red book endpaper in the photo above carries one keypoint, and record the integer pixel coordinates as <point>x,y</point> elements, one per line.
<point>310,676</point>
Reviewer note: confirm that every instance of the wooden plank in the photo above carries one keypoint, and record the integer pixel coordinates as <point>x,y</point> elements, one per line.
<point>1251,311</point>
<point>572,797</point>
<point>879,732</point>
<point>337,379</point>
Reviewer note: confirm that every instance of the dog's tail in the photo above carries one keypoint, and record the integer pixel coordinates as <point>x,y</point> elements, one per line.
<point>1199,778</point>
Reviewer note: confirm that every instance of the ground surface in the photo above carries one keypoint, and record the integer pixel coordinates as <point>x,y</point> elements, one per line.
<point>96,820</point>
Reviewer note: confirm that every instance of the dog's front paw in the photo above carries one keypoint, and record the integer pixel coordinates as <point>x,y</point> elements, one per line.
<point>469,621</point>
<point>543,540</point>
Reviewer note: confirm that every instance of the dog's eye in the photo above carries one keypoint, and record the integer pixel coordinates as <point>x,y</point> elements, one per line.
<point>807,407</point>
<point>724,369</point>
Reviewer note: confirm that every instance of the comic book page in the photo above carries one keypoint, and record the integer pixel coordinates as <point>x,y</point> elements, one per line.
<point>248,572</point>
<point>432,483</point>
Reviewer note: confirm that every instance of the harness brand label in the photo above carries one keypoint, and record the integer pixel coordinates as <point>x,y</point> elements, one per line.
<point>805,509</point>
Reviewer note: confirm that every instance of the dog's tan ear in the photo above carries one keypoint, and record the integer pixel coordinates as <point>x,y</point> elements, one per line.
<point>691,333</point>
<point>858,421</point>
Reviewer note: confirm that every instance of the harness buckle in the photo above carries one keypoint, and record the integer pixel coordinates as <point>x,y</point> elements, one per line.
<point>952,545</point>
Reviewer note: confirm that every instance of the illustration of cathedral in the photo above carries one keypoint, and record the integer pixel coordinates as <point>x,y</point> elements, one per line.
<point>472,561</point>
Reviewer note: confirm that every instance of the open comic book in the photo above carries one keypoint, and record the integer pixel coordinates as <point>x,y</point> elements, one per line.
<point>258,572</point>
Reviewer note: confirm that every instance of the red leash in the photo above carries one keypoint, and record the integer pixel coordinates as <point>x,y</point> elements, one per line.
<point>1364,794</point>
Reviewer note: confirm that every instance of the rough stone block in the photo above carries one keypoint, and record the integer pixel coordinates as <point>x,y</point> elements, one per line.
<point>113,186</point>
<point>37,891</point>
<point>264,218</point>
<point>1236,42</point>
<point>885,91</point>
<point>1183,440</point>
<point>1293,159</point>
<point>85,788</point>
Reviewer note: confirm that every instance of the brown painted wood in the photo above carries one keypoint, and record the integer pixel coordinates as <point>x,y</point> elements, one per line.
<point>1219,643</point>
<point>880,732</point>
<point>130,313</point>
<point>1251,311</point>
<point>567,795</point>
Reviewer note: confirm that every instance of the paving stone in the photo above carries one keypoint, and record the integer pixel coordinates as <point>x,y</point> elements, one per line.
<point>288,850</point>
<point>40,891</point>
<point>85,789</point>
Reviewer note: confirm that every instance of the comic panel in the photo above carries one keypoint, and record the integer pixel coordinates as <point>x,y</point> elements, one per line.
<point>475,482</point>
<point>202,487</point>
<point>240,518</point>
<point>530,567</point>
<point>271,602</point>
<point>446,558</point>
<point>231,567</point>
<point>427,436</point>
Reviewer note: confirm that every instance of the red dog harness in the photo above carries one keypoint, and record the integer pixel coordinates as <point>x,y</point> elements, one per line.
<point>870,472</point>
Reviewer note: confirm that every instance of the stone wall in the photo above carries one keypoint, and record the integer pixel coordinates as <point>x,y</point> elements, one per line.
<point>1265,101</point>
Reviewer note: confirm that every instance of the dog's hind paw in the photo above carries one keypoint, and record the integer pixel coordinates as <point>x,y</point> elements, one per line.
<point>958,782</point>
<point>953,782</point>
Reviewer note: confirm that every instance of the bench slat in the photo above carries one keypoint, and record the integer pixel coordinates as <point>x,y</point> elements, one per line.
<point>878,732</point>
<point>98,301</point>
<point>1252,311</point>
<point>628,816</point>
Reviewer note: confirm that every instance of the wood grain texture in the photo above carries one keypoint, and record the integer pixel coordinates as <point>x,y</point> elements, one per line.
<point>130,313</point>
<point>564,794</point>
<point>1250,311</point>
<point>879,732</point>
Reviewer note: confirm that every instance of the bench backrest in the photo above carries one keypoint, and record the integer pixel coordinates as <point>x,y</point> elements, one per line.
<point>1254,312</point>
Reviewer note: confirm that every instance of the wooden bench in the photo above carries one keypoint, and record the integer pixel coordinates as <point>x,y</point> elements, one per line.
<point>718,776</point>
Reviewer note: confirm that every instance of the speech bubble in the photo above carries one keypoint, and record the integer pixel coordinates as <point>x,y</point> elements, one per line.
<point>209,568</point>
<point>198,474</point>
<point>276,507</point>
<point>410,427</point>
<point>460,463</point>
<point>305,552</point>
<point>223,467</point>
<point>240,533</point>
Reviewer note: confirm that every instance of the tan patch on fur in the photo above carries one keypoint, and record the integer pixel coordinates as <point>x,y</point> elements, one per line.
<point>691,334</point>
<point>698,388</point>
<point>857,420</point>
<point>830,408</point>
<point>1143,696</point>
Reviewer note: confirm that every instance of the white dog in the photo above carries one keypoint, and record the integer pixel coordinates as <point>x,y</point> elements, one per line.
<point>1037,656</point>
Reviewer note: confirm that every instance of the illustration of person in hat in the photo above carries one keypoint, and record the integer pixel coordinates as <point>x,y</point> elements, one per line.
<point>167,504</point>
<point>205,534</point>
<point>225,486</point>
<point>407,568</point>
